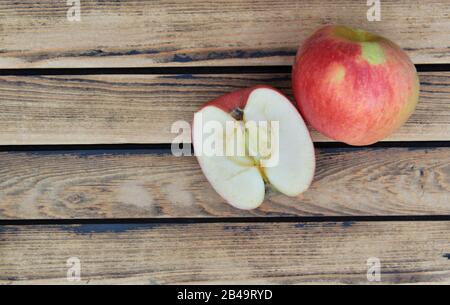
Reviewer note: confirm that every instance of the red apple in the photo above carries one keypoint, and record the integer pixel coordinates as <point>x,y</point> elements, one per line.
<point>354,86</point>
<point>287,165</point>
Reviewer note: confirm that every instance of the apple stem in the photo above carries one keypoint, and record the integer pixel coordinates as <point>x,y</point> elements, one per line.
<point>237,114</point>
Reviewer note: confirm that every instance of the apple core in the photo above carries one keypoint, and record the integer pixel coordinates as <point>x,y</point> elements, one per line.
<point>275,147</point>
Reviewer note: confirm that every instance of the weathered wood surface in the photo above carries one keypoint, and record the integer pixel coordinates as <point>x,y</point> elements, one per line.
<point>142,108</point>
<point>264,253</point>
<point>136,184</point>
<point>135,33</point>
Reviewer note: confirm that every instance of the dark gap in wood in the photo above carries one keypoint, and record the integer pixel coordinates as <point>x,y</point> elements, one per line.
<point>180,70</point>
<point>165,149</point>
<point>345,220</point>
<point>148,70</point>
<point>386,144</point>
<point>95,149</point>
<point>433,67</point>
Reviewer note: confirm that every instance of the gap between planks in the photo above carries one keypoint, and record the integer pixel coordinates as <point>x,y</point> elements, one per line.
<point>180,70</point>
<point>229,220</point>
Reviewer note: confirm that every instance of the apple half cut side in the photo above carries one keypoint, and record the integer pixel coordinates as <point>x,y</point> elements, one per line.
<point>279,155</point>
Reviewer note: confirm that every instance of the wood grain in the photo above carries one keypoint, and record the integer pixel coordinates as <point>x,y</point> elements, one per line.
<point>136,33</point>
<point>137,184</point>
<point>275,253</point>
<point>142,108</point>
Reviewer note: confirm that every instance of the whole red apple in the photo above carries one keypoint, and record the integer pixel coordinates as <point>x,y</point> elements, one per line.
<point>354,86</point>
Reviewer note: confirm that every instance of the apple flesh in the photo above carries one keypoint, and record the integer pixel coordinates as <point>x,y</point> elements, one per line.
<point>242,179</point>
<point>354,86</point>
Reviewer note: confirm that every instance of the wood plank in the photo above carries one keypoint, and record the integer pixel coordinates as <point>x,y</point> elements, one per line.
<point>196,33</point>
<point>142,108</point>
<point>264,253</point>
<point>137,184</point>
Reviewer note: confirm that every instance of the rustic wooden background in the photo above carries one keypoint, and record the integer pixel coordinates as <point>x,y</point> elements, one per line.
<point>86,171</point>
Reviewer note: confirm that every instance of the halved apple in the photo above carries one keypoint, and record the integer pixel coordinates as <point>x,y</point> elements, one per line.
<point>268,144</point>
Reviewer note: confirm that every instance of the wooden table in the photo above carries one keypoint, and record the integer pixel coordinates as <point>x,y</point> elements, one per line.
<point>86,109</point>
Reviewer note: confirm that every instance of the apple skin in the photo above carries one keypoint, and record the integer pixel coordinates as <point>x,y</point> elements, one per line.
<point>237,99</point>
<point>354,86</point>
